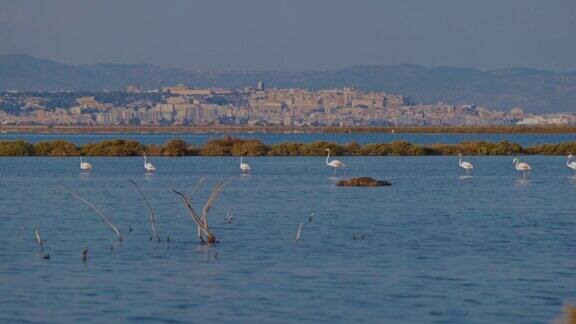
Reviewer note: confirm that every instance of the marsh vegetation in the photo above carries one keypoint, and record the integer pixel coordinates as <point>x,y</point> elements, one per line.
<point>234,146</point>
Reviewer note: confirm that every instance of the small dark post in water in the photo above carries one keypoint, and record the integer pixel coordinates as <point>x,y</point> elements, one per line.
<point>85,255</point>
<point>310,217</point>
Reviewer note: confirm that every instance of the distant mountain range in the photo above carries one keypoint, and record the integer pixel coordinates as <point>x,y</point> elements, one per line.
<point>536,90</point>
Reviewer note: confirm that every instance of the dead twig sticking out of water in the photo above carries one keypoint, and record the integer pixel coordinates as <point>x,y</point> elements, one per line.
<point>41,243</point>
<point>299,231</point>
<point>114,228</point>
<point>229,218</point>
<point>215,192</point>
<point>202,221</point>
<point>192,213</point>
<point>38,239</point>
<point>150,211</point>
<point>197,186</point>
<point>358,236</point>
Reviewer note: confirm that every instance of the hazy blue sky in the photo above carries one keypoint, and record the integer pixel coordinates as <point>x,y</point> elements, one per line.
<point>294,34</point>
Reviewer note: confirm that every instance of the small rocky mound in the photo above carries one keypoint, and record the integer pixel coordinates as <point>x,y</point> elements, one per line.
<point>362,182</point>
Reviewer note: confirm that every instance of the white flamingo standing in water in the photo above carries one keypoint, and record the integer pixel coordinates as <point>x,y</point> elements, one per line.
<point>571,164</point>
<point>521,166</point>
<point>334,163</point>
<point>244,167</point>
<point>464,165</point>
<point>85,165</point>
<point>148,166</point>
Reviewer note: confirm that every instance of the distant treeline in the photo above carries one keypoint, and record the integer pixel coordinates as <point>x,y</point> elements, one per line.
<point>232,146</point>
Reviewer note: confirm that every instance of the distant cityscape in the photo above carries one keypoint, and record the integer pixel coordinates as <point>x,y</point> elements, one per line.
<point>253,106</point>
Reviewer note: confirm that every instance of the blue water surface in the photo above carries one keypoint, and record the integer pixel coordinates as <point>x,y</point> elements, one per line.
<point>438,246</point>
<point>361,138</point>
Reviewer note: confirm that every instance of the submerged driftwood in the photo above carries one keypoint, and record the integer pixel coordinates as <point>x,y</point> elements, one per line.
<point>362,182</point>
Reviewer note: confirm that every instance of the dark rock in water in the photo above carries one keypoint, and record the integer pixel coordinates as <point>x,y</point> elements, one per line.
<point>362,182</point>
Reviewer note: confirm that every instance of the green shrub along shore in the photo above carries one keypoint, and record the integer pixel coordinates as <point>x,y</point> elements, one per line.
<point>231,146</point>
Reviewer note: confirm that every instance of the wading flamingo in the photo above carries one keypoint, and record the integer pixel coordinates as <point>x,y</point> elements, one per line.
<point>334,163</point>
<point>85,165</point>
<point>464,165</point>
<point>521,166</point>
<point>244,167</point>
<point>571,164</point>
<point>148,166</point>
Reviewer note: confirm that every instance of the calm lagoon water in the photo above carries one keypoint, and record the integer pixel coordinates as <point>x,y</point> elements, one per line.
<point>362,138</point>
<point>438,247</point>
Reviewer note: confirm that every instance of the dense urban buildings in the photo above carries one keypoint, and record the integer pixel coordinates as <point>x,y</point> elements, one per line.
<point>182,105</point>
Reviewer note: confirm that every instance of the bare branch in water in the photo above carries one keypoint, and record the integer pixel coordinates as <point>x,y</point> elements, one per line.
<point>190,204</point>
<point>150,211</point>
<point>114,228</point>
<point>299,231</point>
<point>192,212</point>
<point>38,239</point>
<point>197,186</point>
<point>229,218</point>
<point>215,192</point>
<point>202,222</point>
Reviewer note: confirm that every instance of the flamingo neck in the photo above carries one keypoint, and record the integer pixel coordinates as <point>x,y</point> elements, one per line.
<point>241,159</point>
<point>328,156</point>
<point>80,159</point>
